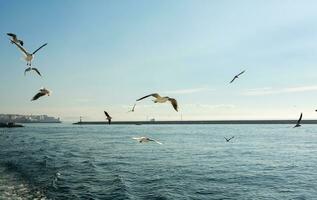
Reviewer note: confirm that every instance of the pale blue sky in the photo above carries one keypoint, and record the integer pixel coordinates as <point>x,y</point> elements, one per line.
<point>102,55</point>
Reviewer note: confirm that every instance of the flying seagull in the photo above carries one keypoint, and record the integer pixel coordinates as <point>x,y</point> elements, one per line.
<point>132,110</point>
<point>146,139</point>
<point>237,76</point>
<point>30,69</point>
<point>42,92</point>
<point>299,120</point>
<point>108,117</point>
<point>160,99</point>
<point>15,38</point>
<point>28,56</point>
<point>229,138</point>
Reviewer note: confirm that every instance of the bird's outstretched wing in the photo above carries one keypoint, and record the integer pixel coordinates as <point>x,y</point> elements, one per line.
<point>233,79</point>
<point>37,96</point>
<point>231,138</point>
<point>14,36</point>
<point>155,141</point>
<point>20,47</point>
<point>26,70</point>
<point>300,118</point>
<point>39,48</point>
<point>174,103</point>
<point>241,73</point>
<point>153,95</point>
<point>37,71</point>
<point>226,138</point>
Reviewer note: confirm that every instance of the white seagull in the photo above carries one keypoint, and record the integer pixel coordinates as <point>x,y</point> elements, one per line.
<point>15,38</point>
<point>132,110</point>
<point>237,76</point>
<point>146,139</point>
<point>298,121</point>
<point>42,92</point>
<point>160,99</point>
<point>28,57</point>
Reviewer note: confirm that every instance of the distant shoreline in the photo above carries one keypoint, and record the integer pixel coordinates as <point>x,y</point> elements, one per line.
<point>196,122</point>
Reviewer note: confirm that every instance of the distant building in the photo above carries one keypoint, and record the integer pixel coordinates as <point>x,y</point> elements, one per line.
<point>28,118</point>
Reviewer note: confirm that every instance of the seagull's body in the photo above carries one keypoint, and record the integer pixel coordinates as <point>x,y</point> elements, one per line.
<point>298,121</point>
<point>30,69</point>
<point>159,99</point>
<point>146,139</point>
<point>132,110</point>
<point>28,57</point>
<point>15,39</point>
<point>42,92</point>
<point>108,117</point>
<point>229,138</point>
<point>237,76</point>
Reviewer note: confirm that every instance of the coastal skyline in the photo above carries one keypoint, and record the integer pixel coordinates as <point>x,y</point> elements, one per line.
<point>106,54</point>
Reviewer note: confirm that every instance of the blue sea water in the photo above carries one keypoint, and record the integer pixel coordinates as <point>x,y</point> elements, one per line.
<point>63,161</point>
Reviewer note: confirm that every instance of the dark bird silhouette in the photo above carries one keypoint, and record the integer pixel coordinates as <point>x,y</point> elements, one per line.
<point>237,76</point>
<point>298,121</point>
<point>15,38</point>
<point>42,92</point>
<point>159,99</point>
<point>108,117</point>
<point>229,138</point>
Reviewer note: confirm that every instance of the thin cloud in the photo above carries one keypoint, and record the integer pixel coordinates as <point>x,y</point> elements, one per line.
<point>189,91</point>
<point>271,91</point>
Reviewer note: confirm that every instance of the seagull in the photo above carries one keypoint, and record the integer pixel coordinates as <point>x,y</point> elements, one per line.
<point>15,38</point>
<point>229,138</point>
<point>146,139</point>
<point>160,99</point>
<point>28,56</point>
<point>30,69</point>
<point>237,76</point>
<point>42,92</point>
<point>108,117</point>
<point>299,120</point>
<point>132,110</point>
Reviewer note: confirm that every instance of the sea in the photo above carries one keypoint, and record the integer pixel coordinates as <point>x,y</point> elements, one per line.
<point>65,161</point>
